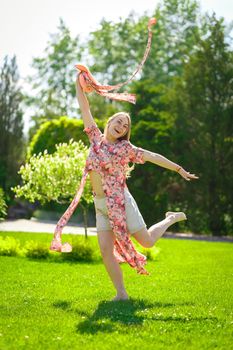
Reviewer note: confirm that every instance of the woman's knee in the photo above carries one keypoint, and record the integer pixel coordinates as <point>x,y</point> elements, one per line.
<point>106,243</point>
<point>148,243</point>
<point>144,238</point>
<point>106,251</point>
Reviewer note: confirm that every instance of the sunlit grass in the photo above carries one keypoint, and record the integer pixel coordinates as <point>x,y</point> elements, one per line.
<point>186,302</point>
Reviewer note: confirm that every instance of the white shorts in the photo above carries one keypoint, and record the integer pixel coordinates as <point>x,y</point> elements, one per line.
<point>134,219</point>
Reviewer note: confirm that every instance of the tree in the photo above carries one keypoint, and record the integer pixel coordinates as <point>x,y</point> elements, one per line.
<point>55,177</point>
<point>112,53</point>
<point>57,131</point>
<point>11,124</point>
<point>202,102</point>
<point>152,125</point>
<point>53,83</point>
<point>175,37</point>
<point>53,132</point>
<point>117,48</point>
<point>3,205</point>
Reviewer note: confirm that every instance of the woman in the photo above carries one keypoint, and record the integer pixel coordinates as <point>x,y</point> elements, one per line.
<point>117,214</point>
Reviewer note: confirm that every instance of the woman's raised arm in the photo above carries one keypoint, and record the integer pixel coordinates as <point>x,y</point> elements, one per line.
<point>166,163</point>
<point>88,120</point>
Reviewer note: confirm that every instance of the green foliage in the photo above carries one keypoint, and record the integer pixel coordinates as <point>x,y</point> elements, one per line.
<point>201,100</point>
<point>102,109</point>
<point>9,246</point>
<point>183,108</point>
<point>54,176</point>
<point>174,40</point>
<point>54,132</point>
<point>11,124</point>
<point>82,250</point>
<point>117,48</point>
<point>152,130</point>
<point>3,205</point>
<point>57,131</point>
<point>189,122</point>
<point>36,250</point>
<point>53,82</point>
<point>151,254</point>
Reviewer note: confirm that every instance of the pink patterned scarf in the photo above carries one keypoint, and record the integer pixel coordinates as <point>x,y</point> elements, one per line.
<point>89,83</point>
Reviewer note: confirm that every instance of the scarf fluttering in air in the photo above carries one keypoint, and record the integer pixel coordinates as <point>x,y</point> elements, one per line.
<point>89,83</point>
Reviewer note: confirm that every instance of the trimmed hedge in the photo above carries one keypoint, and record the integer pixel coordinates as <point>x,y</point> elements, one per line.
<point>57,131</point>
<point>83,250</point>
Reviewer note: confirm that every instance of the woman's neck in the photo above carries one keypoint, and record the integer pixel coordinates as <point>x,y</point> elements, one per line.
<point>110,139</point>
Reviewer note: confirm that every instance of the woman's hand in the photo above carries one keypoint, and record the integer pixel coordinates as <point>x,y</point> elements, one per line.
<point>186,175</point>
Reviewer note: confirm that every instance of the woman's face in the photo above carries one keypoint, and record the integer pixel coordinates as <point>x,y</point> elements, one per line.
<point>119,126</point>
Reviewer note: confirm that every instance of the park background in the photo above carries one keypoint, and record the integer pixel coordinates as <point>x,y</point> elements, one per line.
<point>184,111</point>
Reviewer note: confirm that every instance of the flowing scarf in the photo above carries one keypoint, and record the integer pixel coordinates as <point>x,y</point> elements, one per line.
<point>89,83</point>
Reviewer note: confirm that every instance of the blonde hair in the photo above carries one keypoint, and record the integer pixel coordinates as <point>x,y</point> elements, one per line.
<point>124,137</point>
<point>127,135</point>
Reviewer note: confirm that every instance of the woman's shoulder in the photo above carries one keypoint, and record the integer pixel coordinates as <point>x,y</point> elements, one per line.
<point>125,147</point>
<point>126,144</point>
<point>91,128</point>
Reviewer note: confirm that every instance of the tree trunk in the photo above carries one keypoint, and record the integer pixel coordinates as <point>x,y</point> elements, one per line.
<point>85,220</point>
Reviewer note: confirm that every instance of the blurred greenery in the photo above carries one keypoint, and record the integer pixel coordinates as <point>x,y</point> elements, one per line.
<point>12,143</point>
<point>3,205</point>
<point>56,177</point>
<point>183,110</point>
<point>57,131</point>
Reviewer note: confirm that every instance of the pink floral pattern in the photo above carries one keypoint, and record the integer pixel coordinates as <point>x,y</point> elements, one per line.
<point>91,83</point>
<point>111,161</point>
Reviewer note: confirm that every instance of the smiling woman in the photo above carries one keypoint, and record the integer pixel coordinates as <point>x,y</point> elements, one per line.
<point>118,126</point>
<point>117,214</point>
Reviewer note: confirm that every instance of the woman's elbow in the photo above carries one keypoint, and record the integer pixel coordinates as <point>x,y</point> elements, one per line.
<point>147,156</point>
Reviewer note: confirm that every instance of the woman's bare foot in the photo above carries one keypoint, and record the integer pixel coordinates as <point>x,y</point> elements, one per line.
<point>121,297</point>
<point>176,216</point>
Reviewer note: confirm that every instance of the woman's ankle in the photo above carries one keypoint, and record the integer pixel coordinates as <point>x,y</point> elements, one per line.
<point>121,296</point>
<point>174,217</point>
<point>122,293</point>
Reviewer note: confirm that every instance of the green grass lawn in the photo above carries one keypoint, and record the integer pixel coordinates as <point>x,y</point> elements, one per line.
<point>186,302</point>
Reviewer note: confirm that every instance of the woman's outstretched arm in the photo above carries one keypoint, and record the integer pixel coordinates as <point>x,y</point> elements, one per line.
<point>88,120</point>
<point>166,163</point>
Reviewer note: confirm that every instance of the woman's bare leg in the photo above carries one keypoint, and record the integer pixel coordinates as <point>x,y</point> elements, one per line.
<point>147,238</point>
<point>106,241</point>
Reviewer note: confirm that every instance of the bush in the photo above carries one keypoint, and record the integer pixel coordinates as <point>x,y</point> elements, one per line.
<point>2,205</point>
<point>82,251</point>
<point>151,253</point>
<point>36,250</point>
<point>9,246</point>
<point>56,131</point>
<point>55,177</point>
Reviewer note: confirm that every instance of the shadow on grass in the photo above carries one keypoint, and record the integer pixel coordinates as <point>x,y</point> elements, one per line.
<point>62,304</point>
<point>60,260</point>
<point>110,314</point>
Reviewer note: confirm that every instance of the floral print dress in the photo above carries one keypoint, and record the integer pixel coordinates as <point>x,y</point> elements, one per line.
<point>111,162</point>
